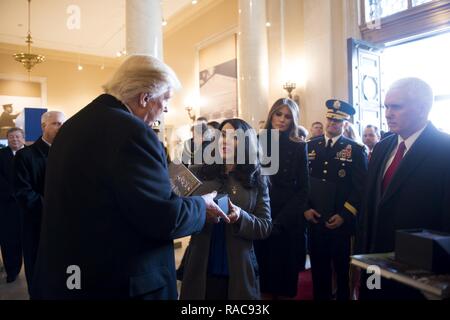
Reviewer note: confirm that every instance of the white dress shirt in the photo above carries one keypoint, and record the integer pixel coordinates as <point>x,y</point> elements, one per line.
<point>333,140</point>
<point>48,143</point>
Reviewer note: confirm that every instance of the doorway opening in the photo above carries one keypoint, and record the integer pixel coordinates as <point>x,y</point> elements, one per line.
<point>428,59</point>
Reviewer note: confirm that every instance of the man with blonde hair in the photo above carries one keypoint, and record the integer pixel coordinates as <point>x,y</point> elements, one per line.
<point>29,179</point>
<point>110,216</point>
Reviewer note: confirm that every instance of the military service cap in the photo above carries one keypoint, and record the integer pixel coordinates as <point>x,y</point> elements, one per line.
<point>339,110</point>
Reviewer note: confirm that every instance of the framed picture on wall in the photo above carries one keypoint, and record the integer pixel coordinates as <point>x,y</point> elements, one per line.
<point>21,106</point>
<point>218,79</point>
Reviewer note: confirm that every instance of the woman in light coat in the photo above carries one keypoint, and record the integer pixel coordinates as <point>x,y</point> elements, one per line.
<point>220,262</point>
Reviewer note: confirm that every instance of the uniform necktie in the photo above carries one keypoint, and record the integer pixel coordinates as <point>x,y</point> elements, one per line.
<point>329,143</point>
<point>328,147</point>
<point>394,165</point>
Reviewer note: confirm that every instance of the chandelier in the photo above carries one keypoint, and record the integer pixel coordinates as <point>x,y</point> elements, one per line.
<point>28,60</point>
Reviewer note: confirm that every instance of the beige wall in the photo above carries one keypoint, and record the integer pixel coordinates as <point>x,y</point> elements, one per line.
<point>19,88</point>
<point>314,34</point>
<point>68,89</point>
<point>223,50</point>
<point>181,48</point>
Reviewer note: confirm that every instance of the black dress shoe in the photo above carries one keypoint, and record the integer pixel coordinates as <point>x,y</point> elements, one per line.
<point>11,279</point>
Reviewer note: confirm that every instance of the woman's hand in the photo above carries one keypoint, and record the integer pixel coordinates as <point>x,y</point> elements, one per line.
<point>234,212</point>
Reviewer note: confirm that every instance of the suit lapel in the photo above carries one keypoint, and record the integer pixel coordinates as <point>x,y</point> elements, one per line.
<point>382,164</point>
<point>321,150</point>
<point>338,146</point>
<point>335,148</point>
<point>42,147</point>
<point>412,159</point>
<point>10,153</point>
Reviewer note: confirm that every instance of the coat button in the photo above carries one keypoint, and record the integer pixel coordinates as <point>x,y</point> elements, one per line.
<point>326,162</point>
<point>325,171</point>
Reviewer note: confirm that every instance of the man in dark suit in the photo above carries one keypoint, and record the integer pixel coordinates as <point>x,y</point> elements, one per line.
<point>194,148</point>
<point>110,215</point>
<point>409,178</point>
<point>29,166</point>
<point>371,136</point>
<point>10,243</point>
<point>338,168</point>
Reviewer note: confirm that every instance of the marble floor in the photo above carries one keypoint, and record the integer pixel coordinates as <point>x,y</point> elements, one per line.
<point>13,291</point>
<point>18,289</point>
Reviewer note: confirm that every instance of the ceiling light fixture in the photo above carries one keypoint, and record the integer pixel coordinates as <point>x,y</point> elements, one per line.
<point>29,60</point>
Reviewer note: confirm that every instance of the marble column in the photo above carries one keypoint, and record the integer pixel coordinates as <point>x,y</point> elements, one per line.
<point>253,61</point>
<point>144,32</point>
<point>144,27</point>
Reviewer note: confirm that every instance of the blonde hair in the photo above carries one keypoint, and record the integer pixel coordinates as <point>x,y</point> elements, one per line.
<point>293,107</point>
<point>141,74</point>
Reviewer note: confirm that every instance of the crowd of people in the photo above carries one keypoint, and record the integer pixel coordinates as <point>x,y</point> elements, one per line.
<point>90,208</point>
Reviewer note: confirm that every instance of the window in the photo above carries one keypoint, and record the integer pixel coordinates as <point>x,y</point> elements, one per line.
<point>389,20</point>
<point>383,8</point>
<point>440,114</point>
<point>419,2</point>
<point>429,56</point>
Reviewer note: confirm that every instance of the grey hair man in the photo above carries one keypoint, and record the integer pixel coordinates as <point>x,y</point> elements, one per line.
<point>371,136</point>
<point>110,215</point>
<point>51,121</point>
<point>30,166</point>
<point>408,184</point>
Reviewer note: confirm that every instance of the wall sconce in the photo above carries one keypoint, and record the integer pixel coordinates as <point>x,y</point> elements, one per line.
<point>289,87</point>
<point>191,116</point>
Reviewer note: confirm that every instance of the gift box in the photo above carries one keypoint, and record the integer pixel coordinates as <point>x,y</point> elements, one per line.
<point>425,249</point>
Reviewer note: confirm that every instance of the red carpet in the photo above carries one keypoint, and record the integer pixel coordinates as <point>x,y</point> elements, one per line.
<point>305,286</point>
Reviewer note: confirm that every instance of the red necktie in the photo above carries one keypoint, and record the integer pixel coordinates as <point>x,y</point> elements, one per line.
<point>394,165</point>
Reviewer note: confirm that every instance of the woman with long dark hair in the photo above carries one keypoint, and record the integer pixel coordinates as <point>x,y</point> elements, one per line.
<point>282,255</point>
<point>220,262</point>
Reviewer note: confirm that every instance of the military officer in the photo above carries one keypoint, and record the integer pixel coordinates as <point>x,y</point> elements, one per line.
<point>338,169</point>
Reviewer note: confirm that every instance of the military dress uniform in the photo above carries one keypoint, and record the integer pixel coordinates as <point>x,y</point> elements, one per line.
<point>338,167</point>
